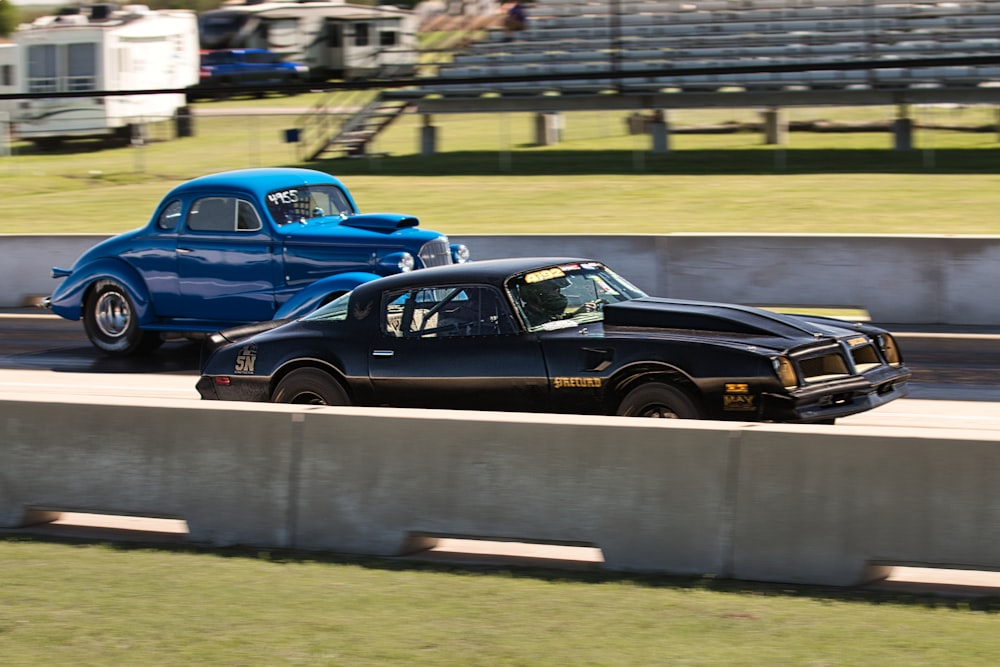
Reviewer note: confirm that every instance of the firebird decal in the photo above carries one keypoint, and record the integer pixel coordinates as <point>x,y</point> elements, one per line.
<point>361,312</point>
<point>575,383</point>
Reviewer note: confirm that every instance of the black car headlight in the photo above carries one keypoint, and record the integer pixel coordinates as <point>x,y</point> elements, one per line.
<point>397,262</point>
<point>785,371</point>
<point>890,350</point>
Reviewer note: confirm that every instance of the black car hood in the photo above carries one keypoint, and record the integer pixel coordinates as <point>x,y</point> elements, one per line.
<point>724,320</point>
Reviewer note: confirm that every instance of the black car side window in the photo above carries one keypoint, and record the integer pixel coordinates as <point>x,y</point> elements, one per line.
<point>477,311</point>
<point>442,312</point>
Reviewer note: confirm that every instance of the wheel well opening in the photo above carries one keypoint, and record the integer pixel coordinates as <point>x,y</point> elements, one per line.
<point>641,376</point>
<point>297,364</point>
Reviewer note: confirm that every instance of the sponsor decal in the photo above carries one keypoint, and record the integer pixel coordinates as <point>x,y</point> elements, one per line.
<point>738,397</point>
<point>860,340</point>
<point>575,383</point>
<point>545,274</point>
<point>246,359</point>
<point>738,402</point>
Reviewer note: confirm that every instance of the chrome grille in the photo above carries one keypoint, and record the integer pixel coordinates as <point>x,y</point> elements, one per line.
<point>436,252</point>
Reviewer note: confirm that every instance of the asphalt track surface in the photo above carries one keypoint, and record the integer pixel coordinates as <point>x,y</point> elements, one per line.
<point>954,386</point>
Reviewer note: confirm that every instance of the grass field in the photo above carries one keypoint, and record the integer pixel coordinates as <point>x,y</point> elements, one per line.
<point>95,604</point>
<point>92,604</point>
<point>488,178</point>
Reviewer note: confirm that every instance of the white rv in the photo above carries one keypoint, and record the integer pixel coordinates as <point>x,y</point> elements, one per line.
<point>8,66</point>
<point>101,48</point>
<point>334,38</point>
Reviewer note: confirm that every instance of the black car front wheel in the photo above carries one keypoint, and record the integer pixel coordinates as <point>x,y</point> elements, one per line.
<point>109,318</point>
<point>309,386</point>
<point>660,401</point>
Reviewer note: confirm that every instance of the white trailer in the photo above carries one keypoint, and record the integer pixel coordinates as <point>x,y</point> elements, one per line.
<point>334,38</point>
<point>96,49</point>
<point>9,65</point>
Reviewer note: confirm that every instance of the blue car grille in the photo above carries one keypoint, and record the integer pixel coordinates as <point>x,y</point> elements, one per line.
<point>436,252</point>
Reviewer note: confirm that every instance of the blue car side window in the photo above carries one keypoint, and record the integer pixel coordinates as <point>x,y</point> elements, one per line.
<point>171,214</point>
<point>213,214</point>
<point>247,219</point>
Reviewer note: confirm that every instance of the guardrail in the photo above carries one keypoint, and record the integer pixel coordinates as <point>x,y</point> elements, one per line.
<point>782,503</point>
<point>942,279</point>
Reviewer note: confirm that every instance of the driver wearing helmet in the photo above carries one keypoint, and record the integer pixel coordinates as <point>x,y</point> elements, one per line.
<point>543,301</point>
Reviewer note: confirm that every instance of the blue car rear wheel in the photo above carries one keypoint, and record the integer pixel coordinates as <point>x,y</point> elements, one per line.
<point>109,319</point>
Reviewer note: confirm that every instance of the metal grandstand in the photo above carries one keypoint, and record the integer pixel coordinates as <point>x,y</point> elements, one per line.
<point>694,53</point>
<point>672,54</point>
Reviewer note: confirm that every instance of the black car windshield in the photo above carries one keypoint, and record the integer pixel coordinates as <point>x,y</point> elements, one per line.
<point>567,295</point>
<point>307,202</point>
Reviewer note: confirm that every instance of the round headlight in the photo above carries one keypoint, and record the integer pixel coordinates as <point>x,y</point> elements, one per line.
<point>406,262</point>
<point>459,253</point>
<point>397,262</point>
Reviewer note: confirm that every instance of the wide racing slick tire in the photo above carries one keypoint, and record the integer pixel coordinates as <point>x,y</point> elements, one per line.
<point>310,386</point>
<point>109,319</point>
<point>660,401</point>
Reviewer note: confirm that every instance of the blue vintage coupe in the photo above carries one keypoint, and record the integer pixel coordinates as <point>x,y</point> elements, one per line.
<point>235,248</point>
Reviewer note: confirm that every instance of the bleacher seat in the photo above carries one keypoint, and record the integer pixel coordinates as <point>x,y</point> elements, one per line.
<point>565,38</point>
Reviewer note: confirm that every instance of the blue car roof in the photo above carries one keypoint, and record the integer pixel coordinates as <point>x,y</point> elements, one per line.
<point>259,181</point>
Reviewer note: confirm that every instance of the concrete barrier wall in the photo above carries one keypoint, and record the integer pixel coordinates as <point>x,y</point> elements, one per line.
<point>901,279</point>
<point>802,504</point>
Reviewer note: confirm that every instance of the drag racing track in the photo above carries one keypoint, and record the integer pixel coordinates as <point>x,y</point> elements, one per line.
<point>954,373</point>
<point>954,387</point>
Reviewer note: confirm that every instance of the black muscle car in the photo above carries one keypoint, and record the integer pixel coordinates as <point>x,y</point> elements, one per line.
<point>556,335</point>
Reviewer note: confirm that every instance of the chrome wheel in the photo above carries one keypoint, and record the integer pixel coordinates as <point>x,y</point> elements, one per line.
<point>112,314</point>
<point>111,322</point>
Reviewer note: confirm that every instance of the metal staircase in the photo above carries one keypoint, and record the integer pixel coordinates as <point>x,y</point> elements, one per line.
<point>343,124</point>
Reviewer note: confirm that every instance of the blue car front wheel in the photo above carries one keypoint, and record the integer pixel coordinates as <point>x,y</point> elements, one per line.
<point>110,322</point>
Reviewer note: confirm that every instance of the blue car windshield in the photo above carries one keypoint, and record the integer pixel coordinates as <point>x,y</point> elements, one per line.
<point>307,202</point>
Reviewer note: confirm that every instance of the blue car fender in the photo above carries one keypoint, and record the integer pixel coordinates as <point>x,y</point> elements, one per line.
<point>67,299</point>
<point>316,294</point>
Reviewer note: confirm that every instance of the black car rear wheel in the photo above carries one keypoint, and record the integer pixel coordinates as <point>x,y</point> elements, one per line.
<point>109,319</point>
<point>310,386</point>
<point>659,401</point>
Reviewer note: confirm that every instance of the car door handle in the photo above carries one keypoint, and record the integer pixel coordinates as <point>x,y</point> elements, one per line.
<point>382,353</point>
<point>184,250</point>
